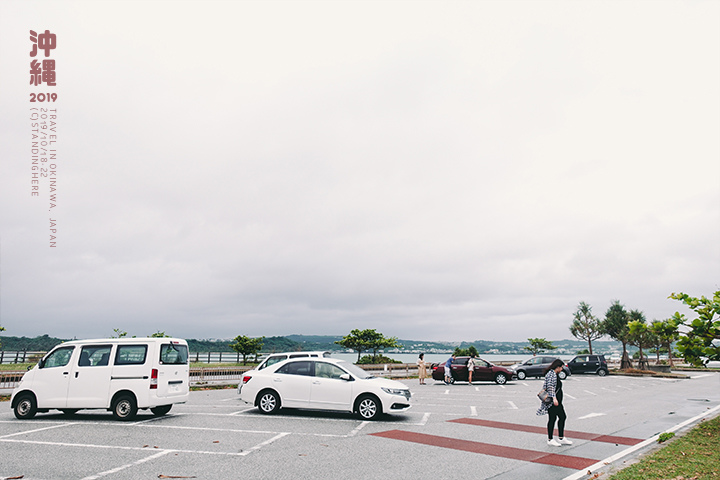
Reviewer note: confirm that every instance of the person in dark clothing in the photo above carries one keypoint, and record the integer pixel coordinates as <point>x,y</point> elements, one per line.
<point>554,406</point>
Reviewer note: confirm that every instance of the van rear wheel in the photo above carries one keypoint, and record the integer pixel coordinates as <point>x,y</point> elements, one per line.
<point>124,408</point>
<point>25,408</point>
<point>160,411</point>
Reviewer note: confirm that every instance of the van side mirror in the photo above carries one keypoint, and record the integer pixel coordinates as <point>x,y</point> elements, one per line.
<point>346,377</point>
<point>40,364</point>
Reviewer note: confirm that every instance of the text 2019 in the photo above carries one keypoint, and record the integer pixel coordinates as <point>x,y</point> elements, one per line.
<point>43,97</point>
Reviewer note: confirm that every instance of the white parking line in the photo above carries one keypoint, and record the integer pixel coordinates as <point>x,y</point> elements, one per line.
<point>242,411</point>
<point>266,442</point>
<point>114,447</point>
<point>118,469</point>
<point>425,418</point>
<point>570,396</point>
<point>512,405</point>
<point>591,393</point>
<point>206,429</point>
<point>473,411</point>
<point>477,389</point>
<point>591,415</point>
<point>447,392</point>
<point>611,391</point>
<point>703,375</point>
<point>36,430</point>
<point>357,429</point>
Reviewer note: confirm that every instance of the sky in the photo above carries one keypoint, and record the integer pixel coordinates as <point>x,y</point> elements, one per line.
<point>442,171</point>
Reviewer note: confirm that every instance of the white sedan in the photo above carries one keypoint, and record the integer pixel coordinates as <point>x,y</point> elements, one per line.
<point>323,384</point>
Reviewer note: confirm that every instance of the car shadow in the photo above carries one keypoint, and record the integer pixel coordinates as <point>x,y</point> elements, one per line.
<point>300,413</point>
<point>89,416</point>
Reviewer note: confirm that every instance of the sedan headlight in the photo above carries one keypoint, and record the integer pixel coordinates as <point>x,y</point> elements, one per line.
<point>397,391</point>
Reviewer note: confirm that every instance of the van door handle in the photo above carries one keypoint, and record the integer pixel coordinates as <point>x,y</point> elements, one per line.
<point>76,374</point>
<point>65,373</point>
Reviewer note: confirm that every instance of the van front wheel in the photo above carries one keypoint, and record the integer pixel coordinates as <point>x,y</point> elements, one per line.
<point>160,411</point>
<point>124,408</point>
<point>25,408</point>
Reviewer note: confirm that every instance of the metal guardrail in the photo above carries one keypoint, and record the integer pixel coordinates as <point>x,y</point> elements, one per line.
<point>21,356</point>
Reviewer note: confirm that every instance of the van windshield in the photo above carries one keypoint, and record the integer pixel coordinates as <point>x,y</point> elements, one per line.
<point>174,354</point>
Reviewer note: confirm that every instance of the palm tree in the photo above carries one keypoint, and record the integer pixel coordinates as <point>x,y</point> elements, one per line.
<point>586,326</point>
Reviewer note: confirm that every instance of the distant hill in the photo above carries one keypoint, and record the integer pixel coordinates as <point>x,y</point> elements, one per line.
<point>298,342</point>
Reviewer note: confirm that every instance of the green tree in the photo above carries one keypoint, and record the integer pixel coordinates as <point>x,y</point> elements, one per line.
<point>666,332</point>
<point>539,345</point>
<point>367,340</point>
<point>384,343</point>
<point>700,343</point>
<point>615,326</point>
<point>246,346</point>
<point>586,326</point>
<point>466,352</point>
<point>2,329</point>
<point>354,341</point>
<point>118,333</point>
<point>642,337</point>
<point>160,334</point>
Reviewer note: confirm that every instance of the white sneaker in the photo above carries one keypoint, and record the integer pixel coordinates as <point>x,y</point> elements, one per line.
<point>554,443</point>
<point>564,441</point>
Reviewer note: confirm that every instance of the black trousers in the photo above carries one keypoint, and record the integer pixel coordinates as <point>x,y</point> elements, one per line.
<point>556,413</point>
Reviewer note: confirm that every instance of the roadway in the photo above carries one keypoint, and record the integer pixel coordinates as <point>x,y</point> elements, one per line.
<point>484,431</point>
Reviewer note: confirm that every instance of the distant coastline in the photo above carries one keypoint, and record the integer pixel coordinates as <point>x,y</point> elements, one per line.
<point>298,342</point>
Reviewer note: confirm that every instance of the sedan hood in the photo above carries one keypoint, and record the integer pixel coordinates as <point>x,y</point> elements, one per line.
<point>387,383</point>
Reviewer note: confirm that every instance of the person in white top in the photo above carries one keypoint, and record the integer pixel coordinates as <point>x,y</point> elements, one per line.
<point>471,367</point>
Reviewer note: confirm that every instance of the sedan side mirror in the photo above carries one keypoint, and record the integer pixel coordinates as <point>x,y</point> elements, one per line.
<point>346,377</point>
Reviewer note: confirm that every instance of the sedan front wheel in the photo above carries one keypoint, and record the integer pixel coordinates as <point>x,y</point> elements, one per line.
<point>501,379</point>
<point>368,407</point>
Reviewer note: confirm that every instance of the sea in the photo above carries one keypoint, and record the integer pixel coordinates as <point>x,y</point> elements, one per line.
<point>438,357</point>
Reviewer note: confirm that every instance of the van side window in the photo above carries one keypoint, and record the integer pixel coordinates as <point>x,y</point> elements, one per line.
<point>131,354</point>
<point>174,354</point>
<point>94,356</point>
<point>273,361</point>
<point>58,358</point>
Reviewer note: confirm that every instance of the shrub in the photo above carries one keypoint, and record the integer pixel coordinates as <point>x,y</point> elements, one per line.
<point>375,360</point>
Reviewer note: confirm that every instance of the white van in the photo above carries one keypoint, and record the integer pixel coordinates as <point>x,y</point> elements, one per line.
<point>274,358</point>
<point>117,374</point>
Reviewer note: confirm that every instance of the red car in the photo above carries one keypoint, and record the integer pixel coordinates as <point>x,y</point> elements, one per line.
<point>483,371</point>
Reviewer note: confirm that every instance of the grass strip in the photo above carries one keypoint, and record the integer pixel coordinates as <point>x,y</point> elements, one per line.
<point>693,456</point>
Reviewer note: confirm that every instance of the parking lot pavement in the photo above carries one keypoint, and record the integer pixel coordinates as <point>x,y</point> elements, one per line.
<point>486,430</point>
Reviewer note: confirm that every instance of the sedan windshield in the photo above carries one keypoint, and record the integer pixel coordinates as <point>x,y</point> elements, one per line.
<point>355,370</point>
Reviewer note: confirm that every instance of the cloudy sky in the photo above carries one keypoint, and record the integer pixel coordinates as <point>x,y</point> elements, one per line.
<point>434,170</point>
